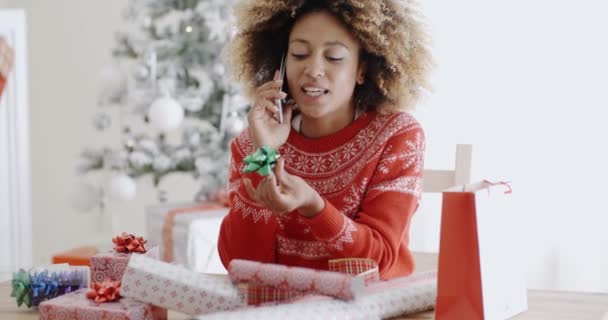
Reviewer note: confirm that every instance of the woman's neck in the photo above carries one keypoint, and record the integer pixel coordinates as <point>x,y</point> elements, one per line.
<point>321,127</point>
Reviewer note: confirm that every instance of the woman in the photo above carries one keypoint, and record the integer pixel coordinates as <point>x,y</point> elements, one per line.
<point>347,182</point>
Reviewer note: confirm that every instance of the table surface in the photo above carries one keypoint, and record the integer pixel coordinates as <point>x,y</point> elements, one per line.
<point>542,304</point>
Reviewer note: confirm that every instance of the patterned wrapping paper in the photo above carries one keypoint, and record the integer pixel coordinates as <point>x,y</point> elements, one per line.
<point>366,268</point>
<point>260,294</point>
<point>76,306</point>
<point>112,265</point>
<point>381,300</point>
<point>176,288</point>
<point>334,284</point>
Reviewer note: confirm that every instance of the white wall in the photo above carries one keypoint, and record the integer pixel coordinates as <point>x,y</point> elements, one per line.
<point>524,81</point>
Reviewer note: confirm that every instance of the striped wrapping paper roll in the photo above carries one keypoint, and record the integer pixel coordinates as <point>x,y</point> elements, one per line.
<point>381,300</point>
<point>259,294</point>
<point>334,284</point>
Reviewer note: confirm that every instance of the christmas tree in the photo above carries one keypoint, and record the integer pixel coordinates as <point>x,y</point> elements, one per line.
<point>168,78</point>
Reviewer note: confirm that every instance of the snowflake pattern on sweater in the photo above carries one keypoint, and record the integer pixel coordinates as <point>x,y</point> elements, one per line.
<point>369,174</point>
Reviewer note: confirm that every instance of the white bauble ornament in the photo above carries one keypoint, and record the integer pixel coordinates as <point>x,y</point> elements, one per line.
<point>122,187</point>
<point>165,114</point>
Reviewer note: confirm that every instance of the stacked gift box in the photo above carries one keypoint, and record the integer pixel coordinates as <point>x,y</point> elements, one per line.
<point>61,291</point>
<point>187,233</point>
<point>103,299</point>
<point>132,283</point>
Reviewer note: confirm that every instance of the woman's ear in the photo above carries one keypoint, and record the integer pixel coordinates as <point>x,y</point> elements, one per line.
<point>361,72</point>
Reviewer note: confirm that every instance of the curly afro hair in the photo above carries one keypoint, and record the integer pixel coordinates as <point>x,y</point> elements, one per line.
<point>390,32</point>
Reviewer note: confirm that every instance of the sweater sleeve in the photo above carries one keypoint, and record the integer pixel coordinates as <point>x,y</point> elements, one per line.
<point>249,230</point>
<point>385,213</point>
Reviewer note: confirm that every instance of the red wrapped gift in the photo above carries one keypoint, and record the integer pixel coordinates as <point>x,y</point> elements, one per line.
<point>78,307</point>
<point>111,265</point>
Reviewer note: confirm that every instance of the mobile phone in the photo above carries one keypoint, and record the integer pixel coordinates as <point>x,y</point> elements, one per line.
<point>278,102</point>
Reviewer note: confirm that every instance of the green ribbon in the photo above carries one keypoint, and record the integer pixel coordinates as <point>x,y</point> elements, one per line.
<point>21,288</point>
<point>262,160</point>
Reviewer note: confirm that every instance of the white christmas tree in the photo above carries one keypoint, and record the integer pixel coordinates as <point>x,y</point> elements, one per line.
<point>168,78</point>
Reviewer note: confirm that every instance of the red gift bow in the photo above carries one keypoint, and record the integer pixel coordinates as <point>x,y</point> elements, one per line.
<point>126,242</point>
<point>258,294</point>
<point>106,291</point>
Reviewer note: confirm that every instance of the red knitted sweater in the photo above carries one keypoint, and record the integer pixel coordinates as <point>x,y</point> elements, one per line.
<point>369,174</point>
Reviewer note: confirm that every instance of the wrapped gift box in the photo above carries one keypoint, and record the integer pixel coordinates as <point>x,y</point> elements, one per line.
<point>112,265</point>
<point>192,233</point>
<point>76,306</point>
<point>177,288</point>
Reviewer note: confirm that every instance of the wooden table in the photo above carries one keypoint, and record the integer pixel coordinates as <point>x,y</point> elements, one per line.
<point>542,304</point>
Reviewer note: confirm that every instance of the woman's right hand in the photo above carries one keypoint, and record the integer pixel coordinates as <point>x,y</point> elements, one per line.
<point>264,128</point>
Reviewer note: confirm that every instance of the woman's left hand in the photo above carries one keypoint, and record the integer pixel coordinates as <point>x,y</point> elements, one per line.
<point>282,192</point>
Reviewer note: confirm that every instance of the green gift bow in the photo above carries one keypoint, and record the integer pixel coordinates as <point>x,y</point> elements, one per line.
<point>21,287</point>
<point>262,160</point>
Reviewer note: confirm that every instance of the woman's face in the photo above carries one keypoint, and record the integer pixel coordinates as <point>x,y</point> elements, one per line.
<point>322,66</point>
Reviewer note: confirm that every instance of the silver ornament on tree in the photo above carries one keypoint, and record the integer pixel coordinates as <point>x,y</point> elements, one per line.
<point>165,113</point>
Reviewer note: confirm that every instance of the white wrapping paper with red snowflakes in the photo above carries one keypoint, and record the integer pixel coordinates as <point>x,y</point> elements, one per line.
<point>112,265</point>
<point>177,288</point>
<point>381,300</point>
<point>335,284</point>
<point>76,306</point>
